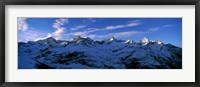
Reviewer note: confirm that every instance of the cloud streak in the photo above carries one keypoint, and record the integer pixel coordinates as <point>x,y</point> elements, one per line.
<point>169,25</point>
<point>88,32</point>
<point>31,36</point>
<point>154,29</point>
<point>129,24</point>
<point>79,34</point>
<point>78,27</point>
<point>82,34</point>
<point>39,38</point>
<point>22,24</point>
<point>126,34</point>
<point>104,36</point>
<point>160,27</point>
<point>58,26</point>
<point>114,27</point>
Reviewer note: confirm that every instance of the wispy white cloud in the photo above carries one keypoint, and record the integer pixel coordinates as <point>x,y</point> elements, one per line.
<point>126,34</point>
<point>59,22</point>
<point>49,35</point>
<point>160,27</point>
<point>58,33</point>
<point>31,36</point>
<point>83,34</point>
<point>104,36</point>
<point>90,30</point>
<point>78,27</point>
<point>154,29</point>
<point>41,38</point>
<point>93,36</point>
<point>58,26</point>
<point>114,27</point>
<point>79,33</point>
<point>132,23</point>
<point>22,24</point>
<point>169,25</point>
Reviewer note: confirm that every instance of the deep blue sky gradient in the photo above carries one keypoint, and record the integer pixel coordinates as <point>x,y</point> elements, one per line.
<point>167,30</point>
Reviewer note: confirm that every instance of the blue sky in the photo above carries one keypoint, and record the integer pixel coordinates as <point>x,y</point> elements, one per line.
<point>167,30</point>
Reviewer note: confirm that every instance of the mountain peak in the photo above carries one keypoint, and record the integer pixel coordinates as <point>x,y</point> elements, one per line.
<point>129,41</point>
<point>49,39</point>
<point>112,38</point>
<point>158,42</point>
<point>89,39</point>
<point>77,38</point>
<point>145,40</point>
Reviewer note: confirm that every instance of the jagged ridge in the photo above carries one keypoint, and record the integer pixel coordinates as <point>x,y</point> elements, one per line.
<point>84,53</point>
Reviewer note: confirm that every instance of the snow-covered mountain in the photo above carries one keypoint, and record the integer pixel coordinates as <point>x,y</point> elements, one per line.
<point>85,53</point>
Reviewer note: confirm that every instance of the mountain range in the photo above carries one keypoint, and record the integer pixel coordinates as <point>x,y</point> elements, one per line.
<point>86,53</point>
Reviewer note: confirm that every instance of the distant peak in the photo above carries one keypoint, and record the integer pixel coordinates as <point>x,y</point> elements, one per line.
<point>129,41</point>
<point>112,38</point>
<point>158,42</point>
<point>145,40</point>
<point>88,38</point>
<point>50,38</point>
<point>77,38</point>
<point>47,40</point>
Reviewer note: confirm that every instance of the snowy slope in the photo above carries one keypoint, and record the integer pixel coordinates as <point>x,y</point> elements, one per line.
<point>85,53</point>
